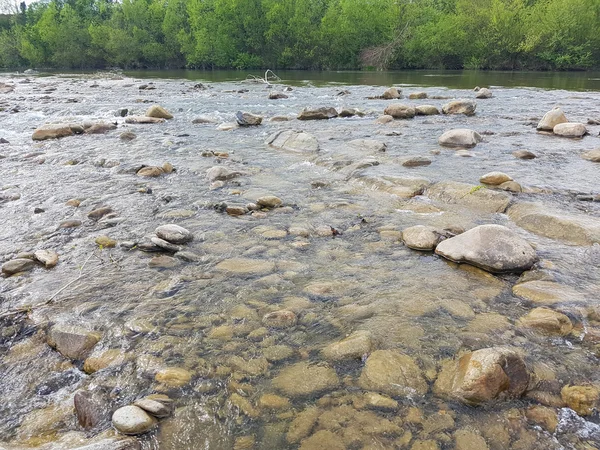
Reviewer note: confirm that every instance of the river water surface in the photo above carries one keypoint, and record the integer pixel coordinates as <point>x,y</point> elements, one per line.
<point>332,255</point>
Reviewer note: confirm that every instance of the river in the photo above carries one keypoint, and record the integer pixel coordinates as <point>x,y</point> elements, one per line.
<point>244,329</point>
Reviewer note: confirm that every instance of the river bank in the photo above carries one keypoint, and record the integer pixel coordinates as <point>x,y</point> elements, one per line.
<point>294,314</point>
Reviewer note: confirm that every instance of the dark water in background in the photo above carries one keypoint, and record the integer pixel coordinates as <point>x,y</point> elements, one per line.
<point>454,79</point>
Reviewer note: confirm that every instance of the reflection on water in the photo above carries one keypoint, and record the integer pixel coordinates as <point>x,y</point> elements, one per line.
<point>203,333</point>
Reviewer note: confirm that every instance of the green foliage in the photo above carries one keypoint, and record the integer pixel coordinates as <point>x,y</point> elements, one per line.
<point>309,34</point>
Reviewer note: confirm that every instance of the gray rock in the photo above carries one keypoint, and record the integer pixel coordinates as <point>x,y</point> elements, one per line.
<point>49,258</point>
<point>220,173</point>
<point>471,196</point>
<point>392,93</point>
<point>417,161</point>
<point>294,141</point>
<point>165,245</point>
<point>421,237</point>
<point>524,154</point>
<point>466,107</point>
<point>174,234</point>
<point>156,408</point>
<point>92,408</point>
<point>484,93</point>
<point>570,130</point>
<point>400,111</point>
<point>17,265</point>
<point>72,341</point>
<point>551,119</point>
<point>277,95</point>
<point>133,420</point>
<point>370,145</point>
<point>246,119</point>
<point>494,248</point>
<point>317,114</point>
<point>426,110</point>
<point>460,137</point>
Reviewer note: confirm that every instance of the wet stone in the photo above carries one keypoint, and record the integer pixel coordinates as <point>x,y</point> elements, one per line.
<point>393,373</point>
<point>156,408</point>
<point>466,107</point>
<point>582,399</point>
<point>280,319</point>
<point>72,341</point>
<point>355,346</point>
<point>73,223</point>
<point>165,245</point>
<point>174,234</point>
<point>303,379</point>
<point>524,154</point>
<point>132,420</point>
<point>159,112</point>
<point>105,242</point>
<point>92,408</point>
<point>17,265</point>
<point>163,262</point>
<point>547,321</point>
<point>173,377</point>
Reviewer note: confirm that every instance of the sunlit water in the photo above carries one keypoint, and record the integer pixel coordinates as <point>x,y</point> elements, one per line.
<point>361,279</point>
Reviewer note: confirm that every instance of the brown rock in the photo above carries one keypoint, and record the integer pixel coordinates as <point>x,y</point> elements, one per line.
<point>158,112</point>
<point>72,341</point>
<point>581,399</point>
<point>547,321</point>
<point>392,373</point>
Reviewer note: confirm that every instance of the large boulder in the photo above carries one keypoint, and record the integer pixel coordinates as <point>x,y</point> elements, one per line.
<point>494,248</point>
<point>317,113</point>
<point>293,141</point>
<point>158,112</point>
<point>460,137</point>
<point>72,341</point>
<point>575,229</point>
<point>468,195</point>
<point>570,130</point>
<point>466,107</point>
<point>400,111</point>
<point>392,373</point>
<point>484,375</point>
<point>551,119</point>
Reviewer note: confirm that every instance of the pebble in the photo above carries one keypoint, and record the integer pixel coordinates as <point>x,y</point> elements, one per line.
<point>174,234</point>
<point>105,242</point>
<point>154,407</point>
<point>269,201</point>
<point>165,245</point>
<point>524,154</point>
<point>72,223</point>
<point>132,420</point>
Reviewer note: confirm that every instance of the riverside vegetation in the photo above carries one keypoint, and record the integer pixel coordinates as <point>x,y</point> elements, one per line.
<point>303,34</point>
<point>253,266</point>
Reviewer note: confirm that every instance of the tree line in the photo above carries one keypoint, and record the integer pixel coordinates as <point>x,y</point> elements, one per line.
<point>303,34</point>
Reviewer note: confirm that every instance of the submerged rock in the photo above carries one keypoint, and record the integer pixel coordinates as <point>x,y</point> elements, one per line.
<point>551,119</point>
<point>494,248</point>
<point>303,379</point>
<point>354,346</point>
<point>280,319</point>
<point>484,375</point>
<point>422,237</point>
<point>294,141</point>
<point>471,196</point>
<point>72,341</point>
<point>92,408</point>
<point>132,420</point>
<point>460,137</point>
<point>141,120</point>
<point>370,145</point>
<point>392,373</point>
<point>524,154</point>
<point>547,321</point>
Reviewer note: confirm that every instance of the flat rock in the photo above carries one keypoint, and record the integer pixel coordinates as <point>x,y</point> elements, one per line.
<point>154,407</point>
<point>417,161</point>
<point>220,173</point>
<point>483,375</point>
<point>317,113</point>
<point>460,137</point>
<point>494,178</point>
<point>294,141</point>
<point>49,258</point>
<point>570,130</point>
<point>163,262</point>
<point>494,248</point>
<point>143,120</point>
<point>551,119</point>
<point>592,155</point>
<point>165,244</point>
<point>400,111</point>
<point>158,112</point>
<point>470,196</point>
<point>133,420</point>
<point>577,229</point>
<point>369,145</point>
<point>174,234</point>
<point>543,292</point>
<point>466,107</point>
<point>547,321</point>
<point>150,171</point>
<point>246,119</point>
<point>52,132</point>
<point>421,237</point>
<point>246,266</point>
<point>92,408</point>
<point>426,110</point>
<point>304,379</point>
<point>393,373</point>
<point>72,341</point>
<point>354,346</point>
<point>524,154</point>
<point>17,265</point>
<point>101,128</point>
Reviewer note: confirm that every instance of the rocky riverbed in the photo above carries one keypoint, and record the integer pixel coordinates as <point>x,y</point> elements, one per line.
<point>251,266</point>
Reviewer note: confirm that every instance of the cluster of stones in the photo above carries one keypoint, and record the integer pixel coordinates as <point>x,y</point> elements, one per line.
<point>27,261</point>
<point>556,122</point>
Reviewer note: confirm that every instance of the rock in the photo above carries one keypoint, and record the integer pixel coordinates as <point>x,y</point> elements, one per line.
<point>143,120</point>
<point>369,145</point>
<point>417,95</point>
<point>427,444</point>
<point>543,416</point>
<point>355,346</point>
<point>272,401</point>
<point>228,126</point>
<point>203,120</point>
<point>392,373</point>
<point>400,111</point>
<point>350,112</point>
<point>484,93</point>
<point>417,161</point>
<point>4,141</point>
<point>246,266</point>
<point>483,375</point>
<point>277,95</point>
<point>150,171</point>
<point>592,155</point>
<point>392,93</point>
<point>72,341</point>
<point>468,195</point>
<point>384,119</point>
<point>551,119</point>
<point>421,237</point>
<point>108,358</point>
<point>269,201</point>
<point>524,154</point>
<point>174,234</point>
<point>132,420</point>
<point>112,444</point>
<point>302,425</point>
<point>547,321</point>
<point>72,223</point>
<point>426,110</point>
<point>304,379</point>
<point>165,245</point>
<point>105,242</point>
<point>163,262</point>
<point>98,213</point>
<point>575,229</point>
<point>494,248</point>
<point>220,173</point>
<point>373,400</point>
<point>469,440</point>
<point>570,130</point>
<point>461,137</point>
<point>322,440</point>
<point>158,112</point>
<point>51,132</point>
<point>279,319</point>
<point>581,399</point>
<point>246,119</point>
<point>92,408</point>
<point>154,407</point>
<point>173,377</point>
<point>49,258</point>
<point>494,178</point>
<point>294,141</point>
<point>101,128</point>
<point>17,265</point>
<point>466,107</point>
<point>317,114</point>
<point>547,292</point>
<point>236,210</point>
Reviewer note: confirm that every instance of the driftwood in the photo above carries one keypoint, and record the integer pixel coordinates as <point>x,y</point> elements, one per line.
<point>269,75</point>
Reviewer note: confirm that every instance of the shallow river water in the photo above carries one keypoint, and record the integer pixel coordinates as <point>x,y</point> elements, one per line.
<point>331,256</point>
